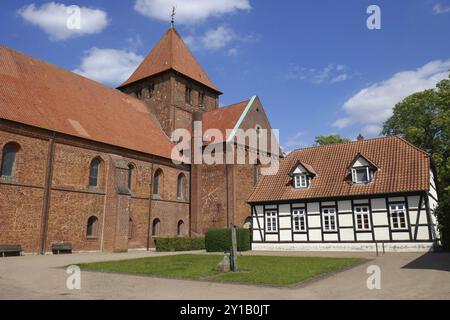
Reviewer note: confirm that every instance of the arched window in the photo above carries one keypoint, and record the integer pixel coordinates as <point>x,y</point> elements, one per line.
<point>181,186</point>
<point>130,228</point>
<point>157,182</point>
<point>180,228</point>
<point>130,176</point>
<point>9,155</point>
<point>155,227</point>
<point>92,227</point>
<point>94,172</point>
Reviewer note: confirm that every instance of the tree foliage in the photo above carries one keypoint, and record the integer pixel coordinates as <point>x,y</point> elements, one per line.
<point>423,119</point>
<point>330,139</point>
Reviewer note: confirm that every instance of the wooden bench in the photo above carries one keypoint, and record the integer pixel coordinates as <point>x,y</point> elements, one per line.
<point>8,250</point>
<point>61,248</point>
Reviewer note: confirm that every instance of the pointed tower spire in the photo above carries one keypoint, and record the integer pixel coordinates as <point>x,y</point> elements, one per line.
<point>171,53</point>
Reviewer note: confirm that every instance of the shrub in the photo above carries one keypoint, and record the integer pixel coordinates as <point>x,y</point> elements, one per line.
<point>219,240</point>
<point>180,244</point>
<point>443,215</point>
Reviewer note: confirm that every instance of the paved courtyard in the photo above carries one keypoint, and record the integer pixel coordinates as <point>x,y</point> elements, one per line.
<point>403,276</point>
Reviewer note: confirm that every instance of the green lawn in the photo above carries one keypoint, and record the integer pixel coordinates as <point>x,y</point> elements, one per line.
<point>268,270</point>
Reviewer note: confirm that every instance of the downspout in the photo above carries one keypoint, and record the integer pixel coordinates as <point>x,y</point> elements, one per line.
<point>47,192</point>
<point>102,241</point>
<point>150,208</point>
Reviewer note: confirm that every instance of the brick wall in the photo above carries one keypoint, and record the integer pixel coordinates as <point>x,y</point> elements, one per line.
<point>72,201</point>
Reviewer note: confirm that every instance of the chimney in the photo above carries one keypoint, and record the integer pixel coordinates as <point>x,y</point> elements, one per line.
<point>360,137</point>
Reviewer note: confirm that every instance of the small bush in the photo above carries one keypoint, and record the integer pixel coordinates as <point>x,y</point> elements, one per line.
<point>443,215</point>
<point>180,244</point>
<point>219,240</point>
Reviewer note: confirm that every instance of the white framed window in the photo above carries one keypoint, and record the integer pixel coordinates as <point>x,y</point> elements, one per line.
<point>271,221</point>
<point>362,218</point>
<point>361,175</point>
<point>329,219</point>
<point>398,216</point>
<point>300,181</point>
<point>299,220</point>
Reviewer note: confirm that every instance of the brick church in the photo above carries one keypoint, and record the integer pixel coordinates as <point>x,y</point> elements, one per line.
<point>88,165</point>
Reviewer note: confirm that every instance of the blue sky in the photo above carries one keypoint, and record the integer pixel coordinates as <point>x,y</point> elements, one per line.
<point>315,65</point>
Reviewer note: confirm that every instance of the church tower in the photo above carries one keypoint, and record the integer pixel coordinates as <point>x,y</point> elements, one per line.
<point>173,84</point>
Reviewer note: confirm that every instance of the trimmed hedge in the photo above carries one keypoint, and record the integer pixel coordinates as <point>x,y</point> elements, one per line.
<point>179,244</point>
<point>219,240</point>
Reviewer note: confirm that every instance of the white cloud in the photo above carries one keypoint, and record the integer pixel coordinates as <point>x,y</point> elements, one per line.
<point>294,142</point>
<point>189,11</point>
<point>373,105</point>
<point>232,52</point>
<point>440,9</point>
<point>331,73</point>
<point>217,38</point>
<point>109,66</point>
<point>61,22</point>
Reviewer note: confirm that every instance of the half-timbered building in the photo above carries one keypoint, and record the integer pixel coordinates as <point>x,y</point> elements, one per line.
<point>376,194</point>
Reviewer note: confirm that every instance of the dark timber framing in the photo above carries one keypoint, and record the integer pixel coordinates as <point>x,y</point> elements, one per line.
<point>304,204</point>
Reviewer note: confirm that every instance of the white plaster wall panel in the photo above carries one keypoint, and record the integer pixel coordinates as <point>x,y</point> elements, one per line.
<point>380,218</point>
<point>285,222</point>
<point>330,237</point>
<point>381,234</point>
<point>271,237</point>
<point>364,236</point>
<point>260,210</point>
<point>256,235</point>
<point>284,210</point>
<point>347,235</point>
<point>345,206</point>
<point>328,203</point>
<point>285,235</point>
<point>313,221</point>
<point>422,233</point>
<point>313,207</point>
<point>299,205</point>
<point>378,204</point>
<point>315,235</point>
<point>413,202</point>
<point>358,247</point>
<point>271,207</point>
<point>361,201</point>
<point>412,216</point>
<point>261,222</point>
<point>396,199</point>
<point>300,237</point>
<point>400,236</point>
<point>346,220</point>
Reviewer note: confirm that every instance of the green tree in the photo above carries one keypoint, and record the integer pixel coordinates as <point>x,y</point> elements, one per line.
<point>423,119</point>
<point>330,139</point>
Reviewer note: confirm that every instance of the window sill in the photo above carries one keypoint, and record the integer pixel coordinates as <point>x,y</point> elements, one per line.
<point>92,238</point>
<point>8,180</point>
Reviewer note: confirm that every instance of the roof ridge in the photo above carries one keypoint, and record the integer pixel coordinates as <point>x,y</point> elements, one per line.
<point>339,144</point>
<point>230,105</point>
<point>411,144</point>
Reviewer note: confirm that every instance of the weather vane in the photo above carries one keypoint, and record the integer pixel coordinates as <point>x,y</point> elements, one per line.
<point>172,22</point>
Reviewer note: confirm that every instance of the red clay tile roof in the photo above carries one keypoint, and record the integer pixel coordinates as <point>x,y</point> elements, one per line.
<point>35,93</point>
<point>224,118</point>
<point>171,53</point>
<point>401,167</point>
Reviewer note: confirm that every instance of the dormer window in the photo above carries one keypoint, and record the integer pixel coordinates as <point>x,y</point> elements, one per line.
<point>300,181</point>
<point>361,175</point>
<point>361,170</point>
<point>302,174</point>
